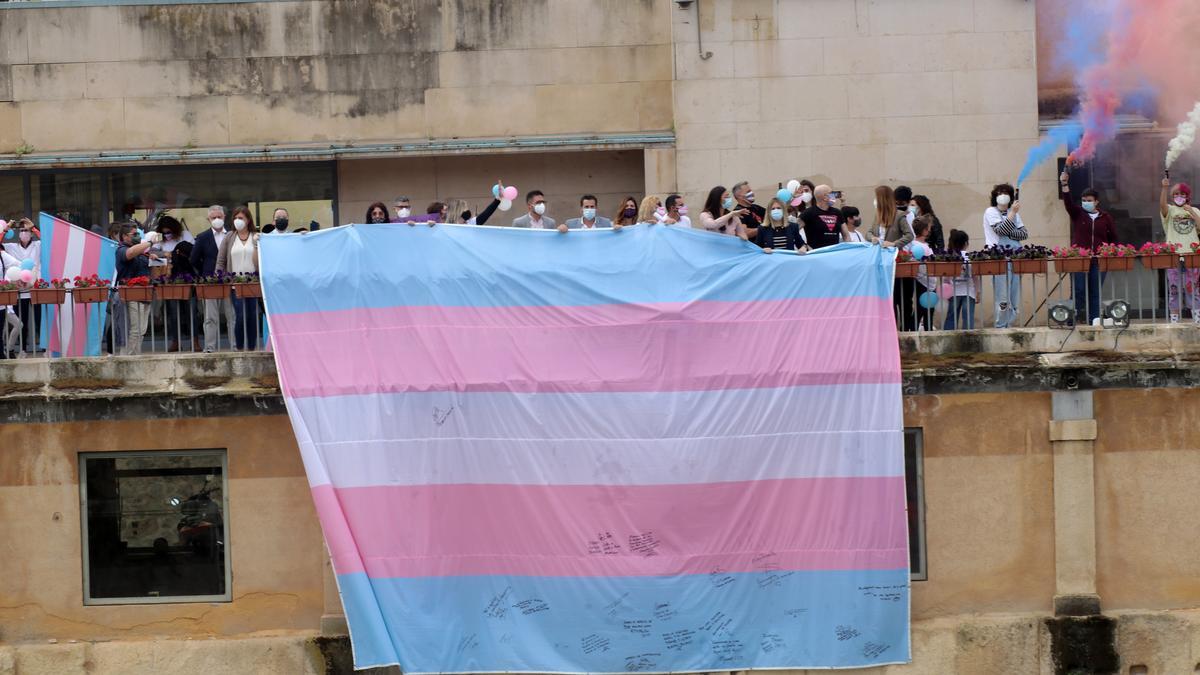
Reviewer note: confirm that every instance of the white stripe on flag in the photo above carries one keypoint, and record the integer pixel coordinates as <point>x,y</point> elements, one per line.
<point>72,267</point>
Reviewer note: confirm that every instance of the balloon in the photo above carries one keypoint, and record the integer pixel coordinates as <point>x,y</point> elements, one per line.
<point>505,204</point>
<point>793,186</point>
<point>918,252</point>
<point>496,191</point>
<point>510,193</point>
<point>26,276</point>
<point>929,299</point>
<point>796,202</point>
<point>27,264</point>
<point>13,274</point>
<point>784,196</point>
<point>947,289</point>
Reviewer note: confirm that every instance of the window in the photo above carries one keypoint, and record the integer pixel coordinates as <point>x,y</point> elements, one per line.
<point>154,527</point>
<point>914,488</point>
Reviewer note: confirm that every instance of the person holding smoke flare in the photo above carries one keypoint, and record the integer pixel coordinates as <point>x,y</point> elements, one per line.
<point>1179,219</point>
<point>1002,226</point>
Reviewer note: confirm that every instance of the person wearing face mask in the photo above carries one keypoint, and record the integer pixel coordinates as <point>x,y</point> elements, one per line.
<point>626,214</point>
<point>921,206</point>
<point>403,209</point>
<point>133,260</point>
<point>754,214</point>
<point>162,257</point>
<point>239,255</point>
<point>885,215</point>
<point>822,222</point>
<point>27,246</point>
<point>377,214</point>
<point>1179,219</point>
<point>279,222</point>
<point>677,212</point>
<point>720,214</point>
<point>588,220</point>
<point>776,232</point>
<point>205,251</point>
<point>1002,226</point>
<point>1090,227</point>
<point>535,217</point>
<point>648,212</point>
<point>851,233</point>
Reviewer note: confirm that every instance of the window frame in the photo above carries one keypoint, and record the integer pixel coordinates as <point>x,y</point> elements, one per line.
<point>918,435</point>
<point>219,453</point>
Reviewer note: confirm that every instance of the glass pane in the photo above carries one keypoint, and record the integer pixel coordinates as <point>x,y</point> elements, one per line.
<point>73,197</point>
<point>156,526</point>
<point>912,489</point>
<point>12,201</point>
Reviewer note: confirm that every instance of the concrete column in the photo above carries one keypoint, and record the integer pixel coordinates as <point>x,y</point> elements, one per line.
<point>333,620</point>
<point>1072,437</point>
<point>660,171</point>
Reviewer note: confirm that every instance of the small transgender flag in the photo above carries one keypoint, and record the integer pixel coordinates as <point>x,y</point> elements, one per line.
<point>69,251</point>
<point>649,450</point>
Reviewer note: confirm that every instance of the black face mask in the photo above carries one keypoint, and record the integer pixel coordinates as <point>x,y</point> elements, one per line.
<point>378,219</point>
<point>281,224</point>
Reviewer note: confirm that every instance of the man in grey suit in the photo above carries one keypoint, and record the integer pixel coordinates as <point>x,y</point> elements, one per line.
<point>535,202</point>
<point>588,219</point>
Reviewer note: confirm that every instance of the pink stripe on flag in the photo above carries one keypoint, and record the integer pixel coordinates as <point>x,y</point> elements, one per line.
<point>59,236</point>
<point>647,356</point>
<point>83,313</point>
<point>538,530</point>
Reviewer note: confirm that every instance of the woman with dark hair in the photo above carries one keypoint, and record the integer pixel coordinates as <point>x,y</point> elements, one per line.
<point>1002,226</point>
<point>626,213</point>
<point>239,255</point>
<point>180,313</point>
<point>924,208</point>
<point>961,310</point>
<point>719,214</point>
<point>377,213</point>
<point>162,263</point>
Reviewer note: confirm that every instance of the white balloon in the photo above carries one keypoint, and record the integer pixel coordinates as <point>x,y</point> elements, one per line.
<point>13,274</point>
<point>505,204</point>
<point>793,186</point>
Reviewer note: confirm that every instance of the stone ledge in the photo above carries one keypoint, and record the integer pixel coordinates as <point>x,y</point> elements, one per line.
<point>1072,430</point>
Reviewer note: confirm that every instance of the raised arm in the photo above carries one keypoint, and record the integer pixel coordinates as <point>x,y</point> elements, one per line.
<point>1162,197</point>
<point>1064,193</point>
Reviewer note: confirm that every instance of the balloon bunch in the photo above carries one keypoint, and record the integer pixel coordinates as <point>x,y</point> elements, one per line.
<point>506,195</point>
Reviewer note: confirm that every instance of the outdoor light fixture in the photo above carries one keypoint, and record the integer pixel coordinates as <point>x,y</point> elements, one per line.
<point>1118,311</point>
<point>1061,314</point>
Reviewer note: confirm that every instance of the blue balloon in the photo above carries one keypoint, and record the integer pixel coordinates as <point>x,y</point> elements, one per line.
<point>496,191</point>
<point>929,299</point>
<point>784,195</point>
<point>918,252</point>
<point>27,264</point>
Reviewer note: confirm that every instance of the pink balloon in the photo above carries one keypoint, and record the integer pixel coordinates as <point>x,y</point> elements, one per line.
<point>510,193</point>
<point>796,202</point>
<point>26,276</point>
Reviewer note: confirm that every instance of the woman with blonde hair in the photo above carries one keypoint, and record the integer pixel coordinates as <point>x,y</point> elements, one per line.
<point>885,214</point>
<point>626,213</point>
<point>647,212</point>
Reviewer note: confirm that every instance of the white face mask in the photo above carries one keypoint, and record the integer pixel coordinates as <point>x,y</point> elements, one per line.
<point>806,197</point>
<point>26,237</point>
<point>403,213</point>
<point>539,208</point>
<point>218,223</point>
<point>239,224</point>
<point>875,203</point>
<point>1003,201</point>
<point>912,209</point>
<point>589,213</point>
<point>1180,200</point>
<point>777,214</point>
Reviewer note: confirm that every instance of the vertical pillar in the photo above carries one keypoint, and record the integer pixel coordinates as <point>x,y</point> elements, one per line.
<point>333,619</point>
<point>1072,438</point>
<point>659,167</point>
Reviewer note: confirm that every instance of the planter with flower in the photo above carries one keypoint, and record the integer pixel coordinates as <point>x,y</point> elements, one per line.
<point>178,287</point>
<point>247,285</point>
<point>1192,260</point>
<point>10,292</point>
<point>90,289</point>
<point>1116,257</point>
<point>906,266</point>
<point>53,292</point>
<point>1069,259</point>
<point>137,289</point>
<point>1030,260</point>
<point>943,264</point>
<point>990,261</point>
<point>214,287</point>
<point>1159,255</point>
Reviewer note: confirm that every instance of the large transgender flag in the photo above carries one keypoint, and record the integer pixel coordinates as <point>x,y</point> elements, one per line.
<point>654,450</point>
<point>69,251</point>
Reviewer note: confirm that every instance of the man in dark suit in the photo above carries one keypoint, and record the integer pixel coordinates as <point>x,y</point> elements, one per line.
<point>204,260</point>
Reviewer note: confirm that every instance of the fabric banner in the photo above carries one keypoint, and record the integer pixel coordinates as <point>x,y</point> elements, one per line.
<point>651,450</point>
<point>69,251</point>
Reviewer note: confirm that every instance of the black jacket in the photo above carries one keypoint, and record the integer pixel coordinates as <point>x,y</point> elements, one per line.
<point>204,253</point>
<point>766,236</point>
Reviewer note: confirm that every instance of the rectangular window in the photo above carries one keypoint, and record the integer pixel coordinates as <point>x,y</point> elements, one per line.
<point>914,488</point>
<point>154,527</point>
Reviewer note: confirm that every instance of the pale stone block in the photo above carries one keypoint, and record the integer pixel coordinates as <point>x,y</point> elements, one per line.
<point>176,122</point>
<point>496,111</point>
<point>60,658</point>
<point>698,170</point>
<point>922,162</point>
<point>49,82</point>
<point>14,46</point>
<point>850,164</point>
<point>1001,161</point>
<point>756,135</point>
<point>74,34</point>
<point>715,19</point>
<point>689,65</point>
<point>980,51</point>
<point>655,106</point>
<point>290,29</point>
<point>717,101</point>
<point>593,108</point>
<point>6,85</point>
<point>817,18</point>
<point>884,95</point>
<point>848,131</point>
<point>854,55</point>
<point>754,20</point>
<point>620,22</point>
<point>659,171</point>
<point>1074,510</point>
<point>352,118</point>
<point>764,167</point>
<point>117,79</point>
<point>995,91</point>
<point>1011,15</point>
<point>96,125</point>
<point>777,58</point>
<point>265,119</point>
<point>707,136</point>
<point>989,646</point>
<point>921,17</point>
<point>1073,430</point>
<point>804,98</point>
<point>502,68</point>
<point>10,127</point>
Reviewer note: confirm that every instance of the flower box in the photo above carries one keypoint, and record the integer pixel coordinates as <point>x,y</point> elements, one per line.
<point>48,296</point>
<point>137,293</point>
<point>253,290</point>
<point>160,271</point>
<point>1191,260</point>
<point>1160,261</point>
<point>906,270</point>
<point>90,294</point>
<point>1116,263</point>
<point>943,269</point>
<point>1071,265</point>
<point>989,268</point>
<point>10,297</point>
<point>212,291</point>
<point>1029,266</point>
<point>175,292</point>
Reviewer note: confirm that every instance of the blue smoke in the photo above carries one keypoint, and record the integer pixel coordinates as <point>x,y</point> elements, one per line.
<point>1067,134</point>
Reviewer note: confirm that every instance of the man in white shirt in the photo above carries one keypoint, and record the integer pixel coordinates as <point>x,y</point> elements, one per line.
<point>588,220</point>
<point>536,219</point>
<point>677,212</point>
